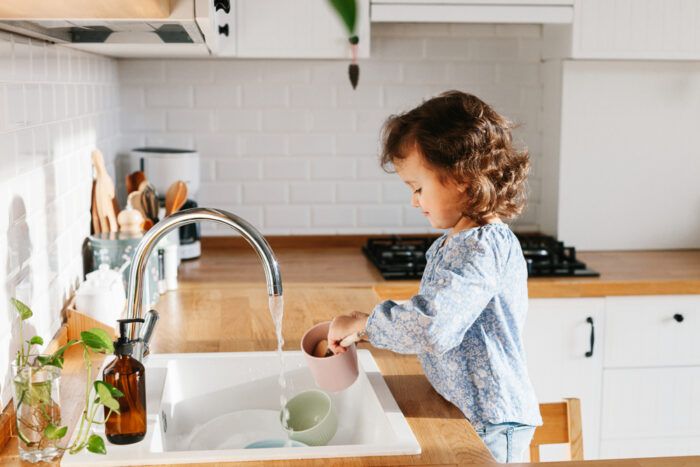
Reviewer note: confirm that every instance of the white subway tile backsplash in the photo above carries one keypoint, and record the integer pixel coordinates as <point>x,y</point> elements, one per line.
<point>170,140</point>
<point>395,191</point>
<point>285,120</point>
<point>285,169</point>
<point>285,71</point>
<point>285,217</point>
<point>333,216</point>
<point>378,216</point>
<point>15,110</point>
<point>236,120</point>
<point>263,144</point>
<point>222,145</point>
<point>147,120</point>
<point>472,30</point>
<point>309,96</point>
<point>189,71</point>
<point>56,105</point>
<point>332,121</point>
<point>332,168</point>
<point>354,143</point>
<point>447,48</point>
<point>311,144</point>
<point>215,194</point>
<point>357,192</point>
<point>274,134</point>
<point>265,192</point>
<point>215,96</point>
<point>140,71</point>
<point>493,49</point>
<point>413,217</point>
<point>397,48</point>
<point>370,169</point>
<point>238,169</point>
<point>426,73</point>
<point>312,192</point>
<point>189,120</point>
<point>169,96</point>
<point>244,71</point>
<point>264,95</point>
<point>367,97</point>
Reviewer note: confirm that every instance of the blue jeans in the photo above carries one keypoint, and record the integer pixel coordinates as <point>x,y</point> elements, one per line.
<point>507,442</point>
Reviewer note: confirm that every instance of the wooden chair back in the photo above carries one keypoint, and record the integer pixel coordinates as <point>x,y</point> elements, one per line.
<point>561,424</point>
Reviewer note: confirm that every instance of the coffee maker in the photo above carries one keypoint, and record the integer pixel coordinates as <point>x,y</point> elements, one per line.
<point>162,167</point>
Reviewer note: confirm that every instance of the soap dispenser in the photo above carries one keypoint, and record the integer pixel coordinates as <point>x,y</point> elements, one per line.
<point>129,376</point>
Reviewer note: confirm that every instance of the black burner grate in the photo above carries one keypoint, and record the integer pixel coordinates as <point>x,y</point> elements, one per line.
<point>404,257</point>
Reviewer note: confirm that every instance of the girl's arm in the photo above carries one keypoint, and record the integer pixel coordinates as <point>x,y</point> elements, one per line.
<point>437,319</point>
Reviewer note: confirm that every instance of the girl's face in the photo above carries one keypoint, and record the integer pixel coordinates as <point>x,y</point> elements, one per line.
<point>440,203</point>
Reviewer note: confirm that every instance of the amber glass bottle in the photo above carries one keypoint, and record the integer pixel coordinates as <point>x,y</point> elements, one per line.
<point>129,376</point>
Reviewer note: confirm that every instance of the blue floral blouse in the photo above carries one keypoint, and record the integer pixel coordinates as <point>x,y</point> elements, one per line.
<point>466,325</point>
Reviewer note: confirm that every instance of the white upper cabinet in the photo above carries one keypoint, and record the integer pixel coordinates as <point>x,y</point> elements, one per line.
<point>636,29</point>
<point>297,29</point>
<point>473,11</point>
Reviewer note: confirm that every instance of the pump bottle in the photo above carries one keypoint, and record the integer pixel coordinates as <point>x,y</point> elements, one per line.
<point>129,376</point>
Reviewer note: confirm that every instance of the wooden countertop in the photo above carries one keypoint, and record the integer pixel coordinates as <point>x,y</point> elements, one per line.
<point>222,306</point>
<point>660,272</point>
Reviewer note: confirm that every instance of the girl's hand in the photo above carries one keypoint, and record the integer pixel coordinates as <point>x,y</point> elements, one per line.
<point>343,326</point>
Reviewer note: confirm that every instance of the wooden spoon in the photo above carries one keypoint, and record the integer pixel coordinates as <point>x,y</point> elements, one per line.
<point>133,181</point>
<point>104,194</point>
<point>175,197</point>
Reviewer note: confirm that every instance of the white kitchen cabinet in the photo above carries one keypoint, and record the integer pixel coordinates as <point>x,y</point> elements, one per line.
<point>651,377</point>
<point>557,337</point>
<point>296,29</point>
<point>636,29</point>
<point>473,11</point>
<point>666,330</point>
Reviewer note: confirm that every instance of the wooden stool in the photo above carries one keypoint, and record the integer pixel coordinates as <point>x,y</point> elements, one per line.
<point>561,424</point>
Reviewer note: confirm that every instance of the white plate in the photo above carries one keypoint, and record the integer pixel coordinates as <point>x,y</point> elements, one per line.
<point>236,430</point>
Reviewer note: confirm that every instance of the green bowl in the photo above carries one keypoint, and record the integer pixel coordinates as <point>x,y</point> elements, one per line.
<point>312,418</point>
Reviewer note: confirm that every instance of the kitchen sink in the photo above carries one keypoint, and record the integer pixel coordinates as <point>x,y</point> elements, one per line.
<point>206,407</point>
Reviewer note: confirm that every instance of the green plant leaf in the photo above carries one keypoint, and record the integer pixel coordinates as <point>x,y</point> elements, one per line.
<point>116,393</point>
<point>50,360</point>
<point>36,340</point>
<point>347,10</point>
<point>54,432</point>
<point>98,340</point>
<point>105,394</point>
<point>23,310</point>
<point>96,444</point>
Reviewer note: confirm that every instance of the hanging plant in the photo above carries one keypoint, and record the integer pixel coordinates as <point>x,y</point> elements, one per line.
<point>347,10</point>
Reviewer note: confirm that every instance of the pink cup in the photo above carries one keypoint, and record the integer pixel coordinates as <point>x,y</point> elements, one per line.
<point>334,373</point>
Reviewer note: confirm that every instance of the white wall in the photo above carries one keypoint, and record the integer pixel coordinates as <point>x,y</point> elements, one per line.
<point>629,173</point>
<point>55,106</point>
<point>289,146</point>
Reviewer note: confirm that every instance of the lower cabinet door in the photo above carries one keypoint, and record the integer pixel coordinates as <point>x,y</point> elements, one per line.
<point>563,362</point>
<point>651,412</point>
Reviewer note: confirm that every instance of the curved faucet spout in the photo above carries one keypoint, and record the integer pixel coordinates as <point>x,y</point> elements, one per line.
<point>188,216</point>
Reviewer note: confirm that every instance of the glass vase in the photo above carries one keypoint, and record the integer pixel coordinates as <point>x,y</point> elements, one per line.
<point>37,406</point>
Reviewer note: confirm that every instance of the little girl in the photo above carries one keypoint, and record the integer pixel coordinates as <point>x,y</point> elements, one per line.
<point>455,153</point>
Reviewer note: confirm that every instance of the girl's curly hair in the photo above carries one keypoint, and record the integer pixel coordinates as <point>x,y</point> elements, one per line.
<point>467,141</point>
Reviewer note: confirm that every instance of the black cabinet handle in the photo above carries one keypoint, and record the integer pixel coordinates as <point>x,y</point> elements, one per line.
<point>589,320</point>
<point>678,317</point>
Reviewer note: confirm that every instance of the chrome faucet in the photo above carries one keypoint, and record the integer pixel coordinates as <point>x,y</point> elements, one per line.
<point>188,216</point>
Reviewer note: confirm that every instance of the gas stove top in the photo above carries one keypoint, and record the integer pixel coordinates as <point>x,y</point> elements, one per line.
<point>404,257</point>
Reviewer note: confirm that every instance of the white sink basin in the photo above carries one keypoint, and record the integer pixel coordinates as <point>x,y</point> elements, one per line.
<point>187,392</point>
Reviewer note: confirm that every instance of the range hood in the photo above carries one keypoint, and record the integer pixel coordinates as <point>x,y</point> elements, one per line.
<point>183,30</point>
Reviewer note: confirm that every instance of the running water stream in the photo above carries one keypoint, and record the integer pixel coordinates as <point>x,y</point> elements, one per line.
<point>277,312</point>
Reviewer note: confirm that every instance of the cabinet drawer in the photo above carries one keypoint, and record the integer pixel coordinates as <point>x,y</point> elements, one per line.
<point>652,331</point>
<point>651,403</point>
